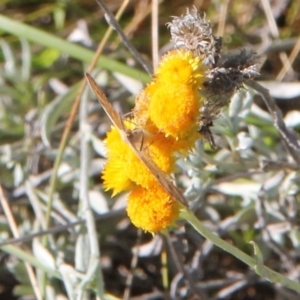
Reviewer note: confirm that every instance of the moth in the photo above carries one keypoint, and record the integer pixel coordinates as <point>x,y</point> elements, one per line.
<point>130,137</point>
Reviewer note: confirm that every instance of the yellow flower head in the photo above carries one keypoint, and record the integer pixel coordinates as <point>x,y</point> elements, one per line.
<point>115,177</point>
<point>174,109</point>
<point>172,98</point>
<point>161,151</point>
<point>152,209</point>
<point>123,168</point>
<point>181,66</point>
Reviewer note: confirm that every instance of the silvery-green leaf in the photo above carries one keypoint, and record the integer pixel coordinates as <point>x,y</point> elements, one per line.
<point>236,104</point>
<point>98,202</point>
<point>285,90</point>
<point>245,142</point>
<point>132,85</point>
<point>239,188</point>
<point>292,118</point>
<point>43,254</point>
<point>18,174</point>
<point>278,230</point>
<point>294,235</point>
<point>261,114</point>
<point>70,277</point>
<point>54,110</point>
<point>26,59</point>
<point>82,252</point>
<point>9,59</point>
<point>98,145</point>
<point>81,34</point>
<point>152,248</point>
<point>58,86</point>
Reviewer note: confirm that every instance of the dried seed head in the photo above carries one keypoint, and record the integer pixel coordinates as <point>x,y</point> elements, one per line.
<point>231,72</point>
<point>223,80</point>
<point>193,32</point>
<point>225,75</point>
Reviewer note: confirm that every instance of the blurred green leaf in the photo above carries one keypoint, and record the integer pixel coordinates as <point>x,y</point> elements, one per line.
<point>46,58</point>
<point>48,40</point>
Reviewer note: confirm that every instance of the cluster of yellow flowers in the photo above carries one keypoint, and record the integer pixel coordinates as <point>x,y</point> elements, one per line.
<point>166,112</point>
<point>168,116</point>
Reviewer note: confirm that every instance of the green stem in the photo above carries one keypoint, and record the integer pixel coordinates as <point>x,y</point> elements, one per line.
<point>254,263</point>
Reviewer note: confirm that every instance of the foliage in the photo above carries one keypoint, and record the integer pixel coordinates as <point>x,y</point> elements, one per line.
<point>245,190</point>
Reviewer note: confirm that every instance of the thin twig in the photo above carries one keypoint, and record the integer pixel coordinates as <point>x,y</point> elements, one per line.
<point>262,216</point>
<point>292,57</point>
<point>222,17</point>
<point>60,228</point>
<point>275,32</point>
<point>290,138</point>
<point>133,264</point>
<point>154,33</point>
<point>115,25</point>
<point>182,269</point>
<point>15,231</point>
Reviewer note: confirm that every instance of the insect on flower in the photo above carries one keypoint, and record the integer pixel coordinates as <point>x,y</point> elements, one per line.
<point>130,137</point>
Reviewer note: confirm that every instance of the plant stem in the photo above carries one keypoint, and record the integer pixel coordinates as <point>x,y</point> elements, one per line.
<point>254,263</point>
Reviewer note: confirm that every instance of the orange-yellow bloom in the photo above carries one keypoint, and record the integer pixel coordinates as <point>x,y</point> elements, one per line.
<point>166,111</point>
<point>123,168</point>
<point>172,101</point>
<point>161,151</point>
<point>182,67</point>
<point>174,108</point>
<point>115,177</point>
<point>152,209</point>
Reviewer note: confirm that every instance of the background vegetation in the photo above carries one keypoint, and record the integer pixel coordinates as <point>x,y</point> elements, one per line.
<point>245,190</point>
